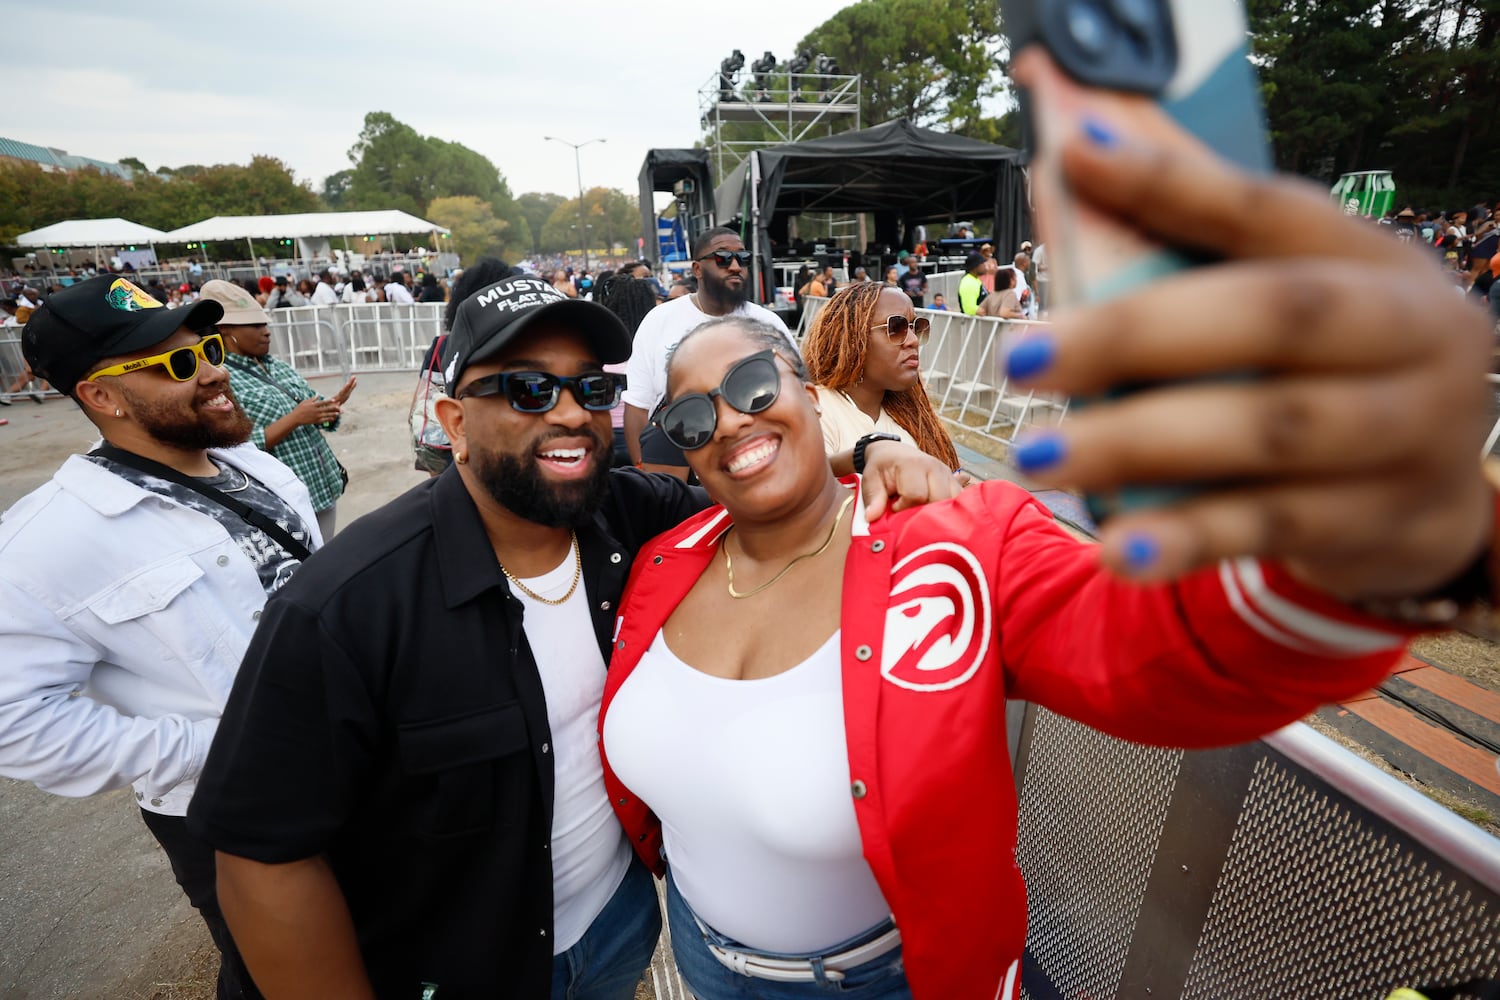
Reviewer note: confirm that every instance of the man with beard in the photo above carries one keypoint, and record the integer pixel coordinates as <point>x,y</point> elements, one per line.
<point>406,791</point>
<point>131,582</point>
<point>407,794</point>
<point>721,266</point>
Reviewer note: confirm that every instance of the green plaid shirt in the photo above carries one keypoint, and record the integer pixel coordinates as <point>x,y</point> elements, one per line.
<point>303,450</point>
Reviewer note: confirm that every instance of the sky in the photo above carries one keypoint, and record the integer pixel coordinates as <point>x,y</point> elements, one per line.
<point>172,83</point>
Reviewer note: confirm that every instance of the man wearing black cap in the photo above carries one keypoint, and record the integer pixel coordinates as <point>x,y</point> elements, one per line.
<point>970,287</point>
<point>406,791</point>
<point>132,581</point>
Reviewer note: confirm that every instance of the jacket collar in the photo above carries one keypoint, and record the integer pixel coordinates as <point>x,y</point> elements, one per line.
<point>467,566</point>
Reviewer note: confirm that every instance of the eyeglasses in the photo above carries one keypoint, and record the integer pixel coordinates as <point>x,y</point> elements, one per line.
<point>724,257</point>
<point>897,326</point>
<point>750,385</point>
<point>181,363</point>
<point>538,392</point>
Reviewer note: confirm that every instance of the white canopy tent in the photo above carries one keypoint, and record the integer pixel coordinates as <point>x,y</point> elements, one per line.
<point>91,233</point>
<point>302,226</point>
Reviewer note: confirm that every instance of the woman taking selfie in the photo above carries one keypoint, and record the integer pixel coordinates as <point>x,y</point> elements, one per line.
<point>804,721</point>
<point>863,355</point>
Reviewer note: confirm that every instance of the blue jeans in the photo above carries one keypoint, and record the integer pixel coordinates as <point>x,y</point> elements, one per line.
<point>608,961</point>
<point>881,978</point>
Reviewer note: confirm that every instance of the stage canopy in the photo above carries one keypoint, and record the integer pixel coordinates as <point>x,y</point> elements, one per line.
<point>661,170</point>
<point>905,174</point>
<point>92,233</point>
<point>307,225</point>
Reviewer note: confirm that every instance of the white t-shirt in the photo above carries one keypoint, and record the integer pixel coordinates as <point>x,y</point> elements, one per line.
<point>324,295</point>
<point>351,297</point>
<point>396,292</point>
<point>660,331</point>
<point>844,423</point>
<point>589,852</point>
<point>751,781</point>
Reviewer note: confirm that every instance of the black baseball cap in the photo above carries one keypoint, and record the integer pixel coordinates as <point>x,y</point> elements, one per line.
<point>974,260</point>
<point>500,312</point>
<point>102,317</point>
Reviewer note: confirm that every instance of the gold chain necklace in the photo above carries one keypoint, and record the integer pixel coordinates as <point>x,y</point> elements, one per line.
<point>577,575</point>
<point>729,562</point>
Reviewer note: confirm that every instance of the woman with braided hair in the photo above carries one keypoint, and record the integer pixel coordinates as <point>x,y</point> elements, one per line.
<point>862,354</point>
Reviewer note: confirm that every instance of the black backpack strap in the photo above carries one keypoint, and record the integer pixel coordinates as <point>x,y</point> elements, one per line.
<point>249,514</point>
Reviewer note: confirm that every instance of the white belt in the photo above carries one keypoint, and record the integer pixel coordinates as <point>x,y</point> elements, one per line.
<point>800,970</point>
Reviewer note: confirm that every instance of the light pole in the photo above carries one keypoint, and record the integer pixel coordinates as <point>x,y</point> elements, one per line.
<point>582,226</point>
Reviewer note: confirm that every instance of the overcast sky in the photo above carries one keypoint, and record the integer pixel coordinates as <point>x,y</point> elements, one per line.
<point>174,83</point>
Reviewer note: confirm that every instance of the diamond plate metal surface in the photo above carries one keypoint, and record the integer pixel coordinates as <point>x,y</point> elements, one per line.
<point>1314,901</point>
<point>1091,815</point>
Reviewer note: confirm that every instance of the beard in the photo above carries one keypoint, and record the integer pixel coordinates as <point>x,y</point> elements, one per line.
<point>516,483</point>
<point>720,291</point>
<point>188,426</point>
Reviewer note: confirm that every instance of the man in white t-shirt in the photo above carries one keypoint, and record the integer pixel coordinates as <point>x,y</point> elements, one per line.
<point>324,294</point>
<point>722,268</point>
<point>397,292</point>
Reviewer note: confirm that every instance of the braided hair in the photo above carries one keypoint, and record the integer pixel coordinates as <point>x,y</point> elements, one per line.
<point>835,352</point>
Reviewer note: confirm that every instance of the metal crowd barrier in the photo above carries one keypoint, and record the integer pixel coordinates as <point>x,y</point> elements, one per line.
<point>1287,867</point>
<point>325,340</point>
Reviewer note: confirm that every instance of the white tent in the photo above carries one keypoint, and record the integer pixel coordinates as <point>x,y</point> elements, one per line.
<point>91,233</point>
<point>302,226</point>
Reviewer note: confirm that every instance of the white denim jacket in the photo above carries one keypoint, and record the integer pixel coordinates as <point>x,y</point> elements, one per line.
<point>123,618</point>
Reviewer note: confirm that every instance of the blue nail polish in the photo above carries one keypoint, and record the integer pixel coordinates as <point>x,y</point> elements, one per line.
<point>1141,552</point>
<point>1040,452</point>
<point>1099,133</point>
<point>1031,356</point>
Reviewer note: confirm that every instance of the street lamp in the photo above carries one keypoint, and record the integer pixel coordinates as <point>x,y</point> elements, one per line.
<point>582,226</point>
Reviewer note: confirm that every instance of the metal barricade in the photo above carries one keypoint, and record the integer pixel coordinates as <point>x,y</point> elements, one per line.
<point>1283,868</point>
<point>328,340</point>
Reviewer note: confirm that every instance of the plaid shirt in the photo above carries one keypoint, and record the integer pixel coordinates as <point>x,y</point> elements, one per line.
<point>303,450</point>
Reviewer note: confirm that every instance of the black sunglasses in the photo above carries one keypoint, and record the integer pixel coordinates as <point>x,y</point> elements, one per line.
<point>897,326</point>
<point>750,385</point>
<point>724,257</point>
<point>538,392</point>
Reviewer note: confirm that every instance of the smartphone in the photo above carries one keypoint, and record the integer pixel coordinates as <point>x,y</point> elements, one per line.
<point>1142,66</point>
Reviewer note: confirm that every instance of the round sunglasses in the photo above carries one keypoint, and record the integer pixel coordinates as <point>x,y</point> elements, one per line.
<point>181,363</point>
<point>750,385</point>
<point>538,392</point>
<point>897,326</point>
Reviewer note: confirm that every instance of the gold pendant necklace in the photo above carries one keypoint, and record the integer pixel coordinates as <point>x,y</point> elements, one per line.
<point>729,562</point>
<point>554,601</point>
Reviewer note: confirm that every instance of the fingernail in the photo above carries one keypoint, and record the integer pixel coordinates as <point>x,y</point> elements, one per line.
<point>1141,552</point>
<point>1099,133</point>
<point>1039,452</point>
<point>1031,356</point>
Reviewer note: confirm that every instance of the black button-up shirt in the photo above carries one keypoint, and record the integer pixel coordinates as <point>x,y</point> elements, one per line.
<point>389,715</point>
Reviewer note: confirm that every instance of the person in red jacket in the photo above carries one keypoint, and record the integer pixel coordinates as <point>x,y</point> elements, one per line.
<point>803,725</point>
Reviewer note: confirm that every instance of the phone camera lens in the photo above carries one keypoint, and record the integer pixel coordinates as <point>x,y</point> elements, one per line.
<point>1089,27</point>
<point>1139,14</point>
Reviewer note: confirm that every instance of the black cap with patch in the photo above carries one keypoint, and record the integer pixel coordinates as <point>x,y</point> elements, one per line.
<point>500,312</point>
<point>102,317</point>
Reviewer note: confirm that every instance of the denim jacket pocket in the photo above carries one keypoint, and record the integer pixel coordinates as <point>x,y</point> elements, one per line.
<point>147,592</point>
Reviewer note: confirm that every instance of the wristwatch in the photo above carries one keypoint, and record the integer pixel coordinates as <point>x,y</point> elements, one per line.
<point>1470,602</point>
<point>863,443</point>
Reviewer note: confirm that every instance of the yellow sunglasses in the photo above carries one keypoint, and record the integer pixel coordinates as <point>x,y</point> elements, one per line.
<point>181,363</point>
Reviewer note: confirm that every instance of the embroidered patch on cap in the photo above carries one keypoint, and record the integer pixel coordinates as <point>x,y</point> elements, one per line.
<point>127,297</point>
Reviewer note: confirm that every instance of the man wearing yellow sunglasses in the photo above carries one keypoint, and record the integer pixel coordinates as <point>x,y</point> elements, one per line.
<point>132,581</point>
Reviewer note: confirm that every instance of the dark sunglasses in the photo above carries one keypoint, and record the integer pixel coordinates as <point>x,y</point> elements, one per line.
<point>896,328</point>
<point>181,364</point>
<point>538,392</point>
<point>750,385</point>
<point>724,257</point>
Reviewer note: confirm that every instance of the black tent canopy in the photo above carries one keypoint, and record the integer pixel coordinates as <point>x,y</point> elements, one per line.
<point>661,170</point>
<point>903,174</point>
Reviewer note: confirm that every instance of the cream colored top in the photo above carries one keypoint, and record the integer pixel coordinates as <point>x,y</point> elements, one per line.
<point>844,423</point>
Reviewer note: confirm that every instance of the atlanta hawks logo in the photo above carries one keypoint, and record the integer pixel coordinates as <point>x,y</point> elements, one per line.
<point>937,627</point>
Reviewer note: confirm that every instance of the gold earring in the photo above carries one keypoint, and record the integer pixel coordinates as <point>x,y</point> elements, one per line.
<point>461,457</point>
<point>119,412</point>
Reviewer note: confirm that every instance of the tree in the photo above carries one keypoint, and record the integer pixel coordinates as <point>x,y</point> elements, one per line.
<point>610,215</point>
<point>476,231</point>
<point>537,207</point>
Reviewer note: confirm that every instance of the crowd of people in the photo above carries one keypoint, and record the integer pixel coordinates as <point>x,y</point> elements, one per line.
<point>392,762</point>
